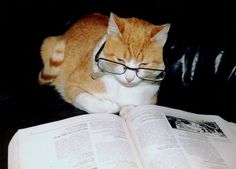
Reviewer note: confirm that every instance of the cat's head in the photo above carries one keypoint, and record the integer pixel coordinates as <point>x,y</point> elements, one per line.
<point>134,43</point>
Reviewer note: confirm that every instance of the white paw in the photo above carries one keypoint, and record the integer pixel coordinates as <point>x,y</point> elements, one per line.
<point>92,104</point>
<point>109,106</point>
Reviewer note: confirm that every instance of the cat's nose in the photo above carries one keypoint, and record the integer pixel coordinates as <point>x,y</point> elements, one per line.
<point>129,79</point>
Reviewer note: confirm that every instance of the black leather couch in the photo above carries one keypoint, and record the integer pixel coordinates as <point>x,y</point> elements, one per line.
<point>199,56</point>
<point>200,79</point>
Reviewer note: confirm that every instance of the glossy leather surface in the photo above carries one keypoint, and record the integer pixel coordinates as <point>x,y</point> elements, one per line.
<point>201,79</point>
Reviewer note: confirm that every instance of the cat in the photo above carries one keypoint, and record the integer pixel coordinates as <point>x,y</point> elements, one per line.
<point>94,64</point>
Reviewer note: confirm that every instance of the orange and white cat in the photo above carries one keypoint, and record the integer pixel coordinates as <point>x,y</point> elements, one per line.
<point>71,62</point>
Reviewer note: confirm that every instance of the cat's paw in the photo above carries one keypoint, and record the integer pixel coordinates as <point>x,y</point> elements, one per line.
<point>92,104</point>
<point>109,106</point>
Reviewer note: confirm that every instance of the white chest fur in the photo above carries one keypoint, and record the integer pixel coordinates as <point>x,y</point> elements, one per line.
<point>122,95</point>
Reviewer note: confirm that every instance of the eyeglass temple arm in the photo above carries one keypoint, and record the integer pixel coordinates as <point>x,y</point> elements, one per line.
<point>99,51</point>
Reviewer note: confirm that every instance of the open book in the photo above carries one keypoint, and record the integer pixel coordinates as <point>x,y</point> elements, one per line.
<point>148,137</point>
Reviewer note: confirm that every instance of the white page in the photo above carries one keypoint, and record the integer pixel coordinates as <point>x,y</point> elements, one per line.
<point>167,147</point>
<point>76,143</point>
<point>211,135</point>
<point>13,152</point>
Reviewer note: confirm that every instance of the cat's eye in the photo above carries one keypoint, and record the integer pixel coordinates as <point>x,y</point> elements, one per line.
<point>120,60</point>
<point>144,64</point>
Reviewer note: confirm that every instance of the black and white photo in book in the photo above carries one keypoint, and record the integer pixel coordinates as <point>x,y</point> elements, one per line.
<point>206,127</point>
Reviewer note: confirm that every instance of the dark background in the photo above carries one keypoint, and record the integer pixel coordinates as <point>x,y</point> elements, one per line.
<point>24,25</point>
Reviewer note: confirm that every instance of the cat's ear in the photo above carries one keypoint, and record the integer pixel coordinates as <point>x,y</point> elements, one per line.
<point>115,25</point>
<point>160,33</point>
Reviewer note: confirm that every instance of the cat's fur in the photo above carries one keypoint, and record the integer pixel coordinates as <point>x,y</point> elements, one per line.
<point>69,62</point>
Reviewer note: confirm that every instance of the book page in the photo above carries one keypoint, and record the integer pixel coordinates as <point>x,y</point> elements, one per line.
<point>164,142</point>
<point>206,139</point>
<point>13,151</point>
<point>94,141</point>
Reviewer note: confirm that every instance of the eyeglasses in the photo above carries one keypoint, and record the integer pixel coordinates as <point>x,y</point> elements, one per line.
<point>117,68</point>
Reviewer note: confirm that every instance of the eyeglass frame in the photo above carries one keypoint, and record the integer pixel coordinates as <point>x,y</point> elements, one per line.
<point>126,67</point>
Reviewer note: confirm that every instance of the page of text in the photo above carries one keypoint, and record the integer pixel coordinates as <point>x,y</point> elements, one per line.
<point>207,140</point>
<point>85,142</point>
<point>168,138</point>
